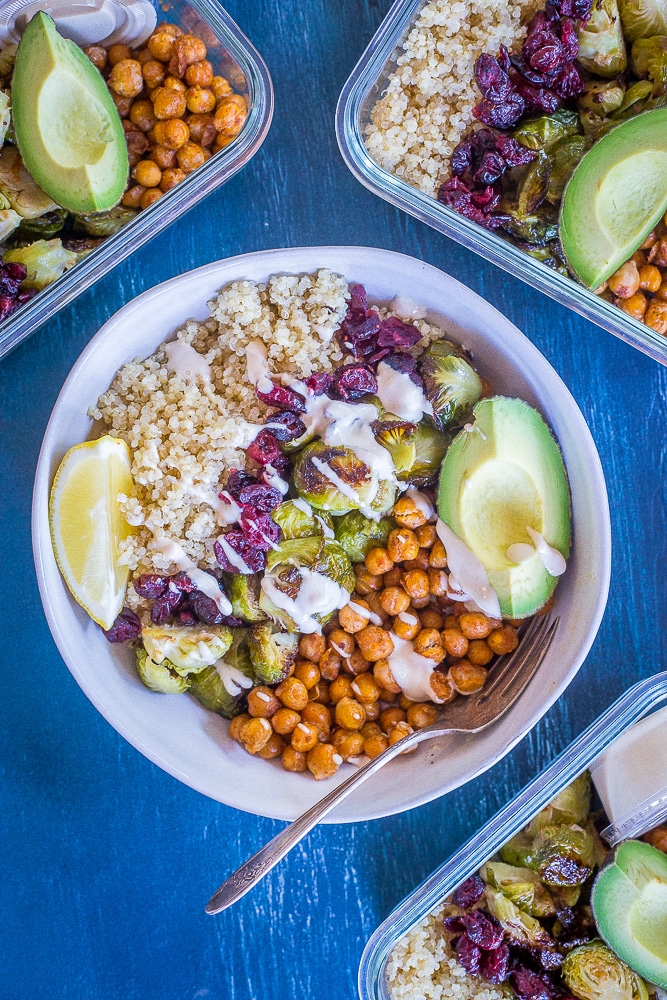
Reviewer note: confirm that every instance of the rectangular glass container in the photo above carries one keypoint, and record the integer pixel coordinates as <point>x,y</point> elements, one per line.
<point>365,85</point>
<point>231,54</point>
<point>636,703</point>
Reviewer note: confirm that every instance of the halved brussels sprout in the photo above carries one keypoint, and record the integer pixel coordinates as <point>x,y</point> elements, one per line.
<point>649,59</point>
<point>451,385</point>
<point>291,566</point>
<point>397,436</point>
<point>533,186</point>
<point>161,677</point>
<point>602,96</point>
<point>522,887</point>
<point>19,188</point>
<point>563,855</point>
<point>188,648</point>
<point>565,155</point>
<point>222,688</point>
<point>518,851</point>
<point>298,520</point>
<point>45,261</point>
<point>601,44</point>
<point>537,229</point>
<point>417,450</point>
<point>521,927</point>
<point>544,131</point>
<point>593,972</point>
<point>244,590</point>
<point>272,652</point>
<point>571,806</point>
<point>643,18</point>
<point>358,534</point>
<point>384,499</point>
<point>333,478</point>
<point>44,226</point>
<point>104,223</point>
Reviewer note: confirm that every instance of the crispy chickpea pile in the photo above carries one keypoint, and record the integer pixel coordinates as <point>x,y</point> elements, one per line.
<point>639,287</point>
<point>342,700</point>
<point>175,111</point>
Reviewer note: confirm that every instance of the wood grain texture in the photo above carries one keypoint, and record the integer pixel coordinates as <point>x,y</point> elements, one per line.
<point>106,861</point>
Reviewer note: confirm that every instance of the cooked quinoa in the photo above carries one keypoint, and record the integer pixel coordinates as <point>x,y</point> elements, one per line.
<point>428,102</point>
<point>422,966</point>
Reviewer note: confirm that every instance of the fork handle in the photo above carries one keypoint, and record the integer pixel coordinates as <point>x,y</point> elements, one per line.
<point>256,867</point>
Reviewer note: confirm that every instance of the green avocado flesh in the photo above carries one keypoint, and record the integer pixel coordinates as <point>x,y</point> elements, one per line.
<point>615,197</point>
<point>67,127</point>
<point>500,475</point>
<point>629,901</point>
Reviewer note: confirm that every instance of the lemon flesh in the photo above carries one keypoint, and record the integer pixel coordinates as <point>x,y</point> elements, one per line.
<point>88,526</point>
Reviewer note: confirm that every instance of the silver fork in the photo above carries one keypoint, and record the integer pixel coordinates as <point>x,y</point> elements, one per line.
<point>509,677</point>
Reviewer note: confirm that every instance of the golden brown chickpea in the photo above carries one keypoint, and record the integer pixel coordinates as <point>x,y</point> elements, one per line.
<point>350,617</point>
<point>658,253</point>
<point>454,641</point>
<point>255,734</point>
<point>416,585</point>
<point>393,577</point>
<point>437,557</point>
<point>366,582</point>
<point>375,643</point>
<point>311,647</point>
<point>408,514</point>
<point>650,240</point>
<point>390,716</point>
<point>625,281</point>
<point>634,306</point>
<point>375,745</point>
<point>372,710</point>
<point>133,195</point>
<point>190,157</point>
<point>419,562</point>
<point>97,55</point>
<point>650,278</point>
<point>467,677</point>
<point>262,702</point>
<point>661,294</point>
<point>320,693</point>
<point>428,643</point>
<point>340,688</point>
<point>154,73</point>
<point>172,133</point>
<point>657,837</point>
<point>349,713</point>
<point>164,157</point>
<point>118,53</point>
<point>431,618</point>
<point>220,87</point>
<point>503,640</point>
<point>356,663</point>
<point>170,178</point>
<point>330,664</point>
<point>304,737</point>
<point>272,748</point>
<point>293,694</point>
<point>319,716</point>
<point>199,100</point>
<point>426,536</point>
<point>639,257</point>
<point>230,115</point>
<point>384,677</point>
<point>170,29</point>
<point>137,144</point>
<point>365,689</point>
<point>147,173</point>
<point>123,104</point>
<point>323,761</point>
<point>202,129</point>
<point>173,83</point>
<point>374,605</point>
<point>398,733</point>
<point>402,544</point>
<point>341,641</point>
<point>307,672</point>
<point>406,625</point>
<point>479,652</point>
<point>377,561</point>
<point>150,196</point>
<point>441,686</point>
<point>161,45</point>
<point>141,115</point>
<point>348,743</point>
<point>656,316</point>
<point>437,582</point>
<point>126,79</point>
<point>394,600</point>
<point>167,103</point>
<point>293,760</point>
<point>476,625</point>
<point>285,720</point>
<point>370,729</point>
<point>199,74</point>
<point>421,714</point>
<point>237,724</point>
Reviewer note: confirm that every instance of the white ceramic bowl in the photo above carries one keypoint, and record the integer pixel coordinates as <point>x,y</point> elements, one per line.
<point>191,743</point>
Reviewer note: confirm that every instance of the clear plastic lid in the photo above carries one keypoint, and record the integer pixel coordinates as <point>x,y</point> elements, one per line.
<point>86,22</point>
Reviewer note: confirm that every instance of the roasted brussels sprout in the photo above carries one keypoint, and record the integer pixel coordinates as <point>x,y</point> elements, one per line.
<point>602,97</point>
<point>417,450</point>
<point>397,436</point>
<point>272,652</point>
<point>334,479</point>
<point>7,59</point>
<point>161,677</point>
<point>19,188</point>
<point>593,972</point>
<point>518,850</point>
<point>543,132</point>
<point>601,44</point>
<point>451,385</point>
<point>571,806</point>
<point>297,520</point>
<point>44,226</point>
<point>522,887</point>
<point>533,186</point>
<point>243,590</point>
<point>563,855</point>
<point>358,534</point>
<point>45,261</point>
<point>104,223</point>
<point>565,155</point>
<point>521,927</point>
<point>643,18</point>
<point>5,115</point>
<point>537,229</point>
<point>306,580</point>
<point>221,688</point>
<point>384,499</point>
<point>188,648</point>
<point>9,222</point>
<point>649,60</point>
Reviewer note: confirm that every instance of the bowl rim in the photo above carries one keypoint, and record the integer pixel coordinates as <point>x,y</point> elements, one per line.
<point>44,559</point>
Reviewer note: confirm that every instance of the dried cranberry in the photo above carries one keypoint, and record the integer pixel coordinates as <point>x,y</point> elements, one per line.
<point>353,381</point>
<point>183,582</point>
<point>494,965</point>
<point>204,608</point>
<point>538,98</point>
<point>282,397</point>
<point>549,958</point>
<point>504,58</point>
<point>7,306</point>
<point>165,605</point>
<point>238,478</point>
<point>492,79</point>
<point>530,986</point>
<point>462,158</point>
<point>396,333</point>
<point>9,285</point>
<point>468,954</point>
<point>569,81</point>
<point>487,198</point>
<point>513,153</point>
<point>260,497</point>
<point>186,617</point>
<point>280,465</point>
<point>150,585</point>
<point>265,448</point>
<point>469,892</point>
<point>378,355</point>
<point>358,298</point>
<point>126,627</point>
<point>250,559</point>
<point>318,383</point>
<point>13,269</point>
<point>483,929</point>
<point>260,529</point>
<point>502,115</point>
<point>406,364</point>
<point>453,925</point>
<point>291,426</point>
<point>492,167</point>
<point>358,331</point>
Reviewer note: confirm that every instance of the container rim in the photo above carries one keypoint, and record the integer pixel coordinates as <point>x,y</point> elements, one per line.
<point>364,78</point>
<point>626,710</point>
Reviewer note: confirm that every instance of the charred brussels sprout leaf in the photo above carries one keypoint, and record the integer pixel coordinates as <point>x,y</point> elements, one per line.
<point>522,886</point>
<point>571,806</point>
<point>161,677</point>
<point>189,648</point>
<point>518,850</point>
<point>643,18</point>
<point>417,450</point>
<point>296,522</point>
<point>545,131</point>
<point>532,189</point>
<point>521,927</point>
<point>45,261</point>
<point>19,188</point>
<point>358,534</point>
<point>44,226</point>
<point>104,223</point>
<point>537,229</point>
<point>593,972</point>
<point>649,60</point>
<point>384,499</point>
<point>333,478</point>
<point>272,652</point>
<point>601,44</point>
<point>208,689</point>
<point>398,437</point>
<point>601,97</point>
<point>565,156</point>
<point>293,562</point>
<point>243,590</point>
<point>451,385</point>
<point>222,688</point>
<point>563,855</point>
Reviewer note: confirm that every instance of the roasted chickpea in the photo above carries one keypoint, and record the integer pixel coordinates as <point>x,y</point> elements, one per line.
<point>187,49</point>
<point>374,605</point>
<point>348,743</point>
<point>398,733</point>
<point>220,87</point>
<point>370,729</point>
<point>97,55</point>
<point>661,294</point>
<point>437,558</point>
<point>635,306</point>
<point>341,641</point>
<point>437,582</point>
<point>366,582</point>
<point>406,625</point>
<point>255,734</point>
<point>375,643</point>
<point>199,74</point>
<point>150,196</point>
<point>311,647</point>
<point>476,625</point>
<point>431,618</point>
<point>402,544</point>
<point>137,144</point>
<point>393,577</point>
<point>164,157</point>
<point>650,278</point>
<point>171,133</point>
<point>323,761</point>
<point>170,29</point>
<point>394,600</point>
<point>190,157</point>
<point>123,104</point>
<point>365,689</point>
<point>330,664</point>
<point>441,686</point>
<point>147,173</point>
<point>340,688</point>
<point>377,561</point>
<point>356,663</point>
<point>293,760</point>
<point>118,53</point>
<point>375,745</point>
<point>349,713</point>
<point>202,129</point>
<point>409,514</point>
<point>372,710</point>
<point>658,253</point>
<point>199,100</point>
<point>503,640</point>
<point>454,641</point>
<point>230,115</point>
<point>173,83</point>
<point>320,693</point>
<point>421,714</point>
<point>168,103</point>
<point>625,281</point>
<point>161,45</point>
<point>304,737</point>
<point>479,652</point>
<point>419,562</point>
<point>428,643</point>
<point>237,724</point>
<point>350,617</point>
<point>384,677</point>
<point>132,197</point>
<point>126,78</point>
<point>390,716</point>
<point>262,702</point>
<point>154,73</point>
<point>141,115</point>
<point>292,693</point>
<point>272,748</point>
<point>319,716</point>
<point>416,584</point>
<point>656,316</point>
<point>307,672</point>
<point>170,178</point>
<point>467,677</point>
<point>426,536</point>
<point>285,721</point>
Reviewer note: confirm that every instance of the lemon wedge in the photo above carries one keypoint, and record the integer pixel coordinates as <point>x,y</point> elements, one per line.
<point>87,524</point>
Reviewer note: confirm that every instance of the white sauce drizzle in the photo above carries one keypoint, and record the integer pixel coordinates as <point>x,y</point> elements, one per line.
<point>227,511</point>
<point>272,479</point>
<point>257,365</point>
<point>233,556</point>
<point>399,394</point>
<point>407,308</point>
<point>411,671</point>
<point>343,487</point>
<point>520,552</point>
<point>421,502</point>
<point>232,678</point>
<point>183,360</point>
<point>468,572</point>
<point>326,530</point>
<point>245,433</point>
<point>203,581</point>
<point>474,429</point>
<point>365,613</point>
<point>317,595</point>
<point>552,560</point>
<point>302,505</point>
<point>407,619</point>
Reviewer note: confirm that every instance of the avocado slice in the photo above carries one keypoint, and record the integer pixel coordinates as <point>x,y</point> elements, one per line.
<point>629,900</point>
<point>614,198</point>
<point>502,478</point>
<point>67,126</point>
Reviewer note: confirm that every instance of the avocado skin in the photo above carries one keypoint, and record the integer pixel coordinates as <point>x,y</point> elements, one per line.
<point>636,872</point>
<point>591,253</point>
<point>515,447</point>
<point>81,187</point>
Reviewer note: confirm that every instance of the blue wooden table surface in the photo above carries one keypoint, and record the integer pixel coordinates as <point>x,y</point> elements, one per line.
<point>106,862</point>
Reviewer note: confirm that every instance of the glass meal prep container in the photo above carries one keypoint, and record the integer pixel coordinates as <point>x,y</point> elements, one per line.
<point>586,752</point>
<point>365,85</point>
<point>231,54</point>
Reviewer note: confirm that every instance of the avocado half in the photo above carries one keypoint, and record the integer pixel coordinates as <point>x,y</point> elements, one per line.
<point>615,197</point>
<point>68,129</point>
<point>629,901</point>
<point>502,474</point>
